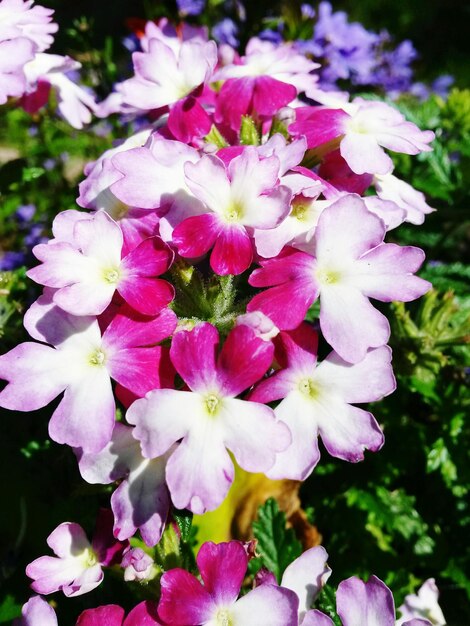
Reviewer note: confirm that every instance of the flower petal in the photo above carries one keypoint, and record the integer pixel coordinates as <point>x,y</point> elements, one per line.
<point>223,567</point>
<point>360,603</point>
<point>266,605</point>
<point>184,600</point>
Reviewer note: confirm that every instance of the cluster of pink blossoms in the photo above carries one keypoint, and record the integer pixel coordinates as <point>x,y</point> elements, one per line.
<point>29,73</point>
<point>235,177</point>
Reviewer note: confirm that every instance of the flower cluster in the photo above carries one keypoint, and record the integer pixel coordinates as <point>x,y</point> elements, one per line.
<point>213,600</point>
<point>30,73</point>
<point>180,295</point>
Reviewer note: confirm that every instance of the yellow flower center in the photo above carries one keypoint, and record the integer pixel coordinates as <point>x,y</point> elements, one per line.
<point>328,277</point>
<point>111,275</point>
<point>97,358</point>
<point>308,388</point>
<point>223,618</point>
<point>88,557</point>
<point>233,213</point>
<point>212,404</point>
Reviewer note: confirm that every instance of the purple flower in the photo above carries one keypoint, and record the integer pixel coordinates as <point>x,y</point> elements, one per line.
<point>226,31</point>
<point>190,7</point>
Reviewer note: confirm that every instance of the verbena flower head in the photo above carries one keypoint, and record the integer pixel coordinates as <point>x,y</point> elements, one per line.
<point>362,129</point>
<point>214,602</point>
<point>348,264</point>
<point>77,567</point>
<point>316,400</point>
<point>239,198</point>
<point>209,419</point>
<point>81,361</point>
<point>21,18</point>
<point>87,269</point>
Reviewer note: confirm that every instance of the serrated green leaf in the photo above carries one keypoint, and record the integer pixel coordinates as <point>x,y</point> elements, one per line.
<point>277,544</point>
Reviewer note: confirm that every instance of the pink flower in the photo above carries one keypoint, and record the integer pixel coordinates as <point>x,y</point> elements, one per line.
<point>316,400</point>
<point>362,604</point>
<point>137,564</point>
<point>144,614</point>
<point>152,177</point>
<point>82,363</point>
<point>37,612</point>
<point>351,265</point>
<point>141,501</point>
<point>265,80</point>
<point>423,604</point>
<point>14,55</point>
<point>362,129</point>
<point>19,18</point>
<point>410,200</point>
<point>186,601</point>
<point>209,419</point>
<point>163,75</point>
<point>239,197</point>
<point>49,71</point>
<point>306,576</point>
<point>87,270</point>
<point>77,566</point>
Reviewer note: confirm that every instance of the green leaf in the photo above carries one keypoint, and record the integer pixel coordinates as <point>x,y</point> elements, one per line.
<point>9,609</point>
<point>277,544</point>
<point>184,519</point>
<point>249,135</point>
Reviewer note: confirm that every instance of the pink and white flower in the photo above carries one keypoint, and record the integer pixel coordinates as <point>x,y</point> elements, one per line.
<point>20,18</point>
<point>266,79</point>
<point>137,565</point>
<point>88,270</point>
<point>209,419</point>
<point>424,604</point>
<point>362,604</point>
<point>214,602</point>
<point>163,76</point>
<point>141,501</point>
<point>82,362</point>
<point>49,71</point>
<point>361,130</point>
<point>350,265</point>
<point>37,612</point>
<point>240,197</point>
<point>77,566</point>
<point>316,400</point>
<point>152,177</point>
<point>409,199</point>
<point>306,576</point>
<point>14,55</point>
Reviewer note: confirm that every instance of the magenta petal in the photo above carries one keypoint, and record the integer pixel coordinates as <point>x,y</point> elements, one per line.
<point>233,252</point>
<point>147,371</point>
<point>298,294</point>
<point>321,125</point>
<point>152,257</point>
<point>108,549</point>
<point>144,614</point>
<point>365,603</point>
<point>188,120</point>
<point>146,295</point>
<point>196,235</point>
<point>193,354</point>
<point>110,614</point>
<point>244,359</point>
<point>223,568</point>
<point>269,95</point>
<point>234,100</point>
<point>184,600</point>
<point>130,329</point>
